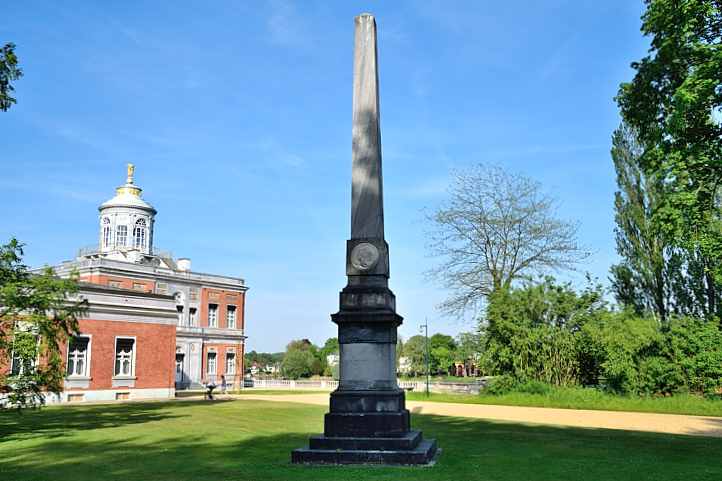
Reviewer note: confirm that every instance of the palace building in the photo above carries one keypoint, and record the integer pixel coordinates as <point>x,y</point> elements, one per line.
<point>154,325</point>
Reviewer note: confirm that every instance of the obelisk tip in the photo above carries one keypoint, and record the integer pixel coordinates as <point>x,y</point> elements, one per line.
<point>365,16</point>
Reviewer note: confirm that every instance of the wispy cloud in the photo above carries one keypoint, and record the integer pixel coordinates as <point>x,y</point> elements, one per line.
<point>558,58</point>
<point>285,26</point>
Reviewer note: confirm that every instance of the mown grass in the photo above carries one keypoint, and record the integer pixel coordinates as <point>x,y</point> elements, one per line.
<point>585,398</point>
<point>252,440</point>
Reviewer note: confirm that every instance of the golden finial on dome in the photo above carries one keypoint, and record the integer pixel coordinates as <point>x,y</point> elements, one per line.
<point>131,171</point>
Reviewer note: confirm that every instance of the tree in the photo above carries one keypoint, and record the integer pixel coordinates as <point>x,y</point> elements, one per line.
<point>495,228</point>
<point>534,331</point>
<point>642,280</point>
<point>674,104</point>
<point>302,359</point>
<point>9,72</point>
<point>37,315</point>
<point>415,352</point>
<point>329,348</point>
<point>442,352</point>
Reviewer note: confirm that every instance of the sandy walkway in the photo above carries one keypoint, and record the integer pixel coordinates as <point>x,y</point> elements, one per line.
<point>658,423</point>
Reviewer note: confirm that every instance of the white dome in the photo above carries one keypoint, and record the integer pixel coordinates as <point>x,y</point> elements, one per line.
<point>126,199</point>
<point>126,223</point>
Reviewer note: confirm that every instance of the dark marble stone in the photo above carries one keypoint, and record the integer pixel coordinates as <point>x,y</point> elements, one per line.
<point>385,424</point>
<point>392,400</point>
<point>421,454</point>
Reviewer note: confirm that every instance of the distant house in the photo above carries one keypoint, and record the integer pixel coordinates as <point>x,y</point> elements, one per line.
<point>332,360</point>
<point>404,365</point>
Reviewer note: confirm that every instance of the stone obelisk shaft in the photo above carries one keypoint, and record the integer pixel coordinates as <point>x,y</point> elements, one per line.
<point>367,420</point>
<point>367,211</point>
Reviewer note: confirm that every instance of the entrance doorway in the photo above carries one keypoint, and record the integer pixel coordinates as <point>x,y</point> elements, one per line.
<point>179,375</point>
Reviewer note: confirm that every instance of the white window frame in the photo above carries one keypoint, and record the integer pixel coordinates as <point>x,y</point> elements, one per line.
<point>192,316</point>
<point>230,308</point>
<point>208,363</point>
<point>232,371</point>
<point>132,360</point>
<point>215,315</point>
<point>121,240</point>
<point>139,234</point>
<point>107,232</point>
<point>88,351</point>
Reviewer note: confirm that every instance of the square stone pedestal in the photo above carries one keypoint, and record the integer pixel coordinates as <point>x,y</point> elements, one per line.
<point>367,427</point>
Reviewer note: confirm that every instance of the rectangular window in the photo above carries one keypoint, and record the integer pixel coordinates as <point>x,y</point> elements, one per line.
<point>230,363</point>
<point>193,294</point>
<point>121,235</point>
<point>212,315</point>
<point>78,357</point>
<point>180,315</point>
<point>161,287</point>
<point>211,365</point>
<point>192,316</point>
<point>16,365</point>
<point>124,354</point>
<point>117,284</point>
<point>231,317</point>
<point>137,286</point>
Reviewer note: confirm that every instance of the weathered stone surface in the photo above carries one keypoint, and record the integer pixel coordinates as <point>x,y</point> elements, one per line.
<point>366,425</point>
<point>422,454</point>
<point>367,214</point>
<point>368,421</point>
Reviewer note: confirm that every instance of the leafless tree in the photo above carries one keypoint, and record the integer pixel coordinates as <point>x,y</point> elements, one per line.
<point>494,228</point>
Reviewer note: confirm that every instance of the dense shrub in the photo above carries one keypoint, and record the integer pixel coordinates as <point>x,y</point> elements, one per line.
<point>499,385</point>
<point>547,334</point>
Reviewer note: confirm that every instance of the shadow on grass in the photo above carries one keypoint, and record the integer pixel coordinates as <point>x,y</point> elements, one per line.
<point>55,421</point>
<point>189,444</point>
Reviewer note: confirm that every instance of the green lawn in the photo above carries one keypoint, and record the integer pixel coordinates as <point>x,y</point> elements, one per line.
<point>580,398</point>
<point>252,440</point>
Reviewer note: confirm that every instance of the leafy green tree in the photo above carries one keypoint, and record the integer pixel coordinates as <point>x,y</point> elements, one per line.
<point>302,359</point>
<point>330,347</point>
<point>37,315</point>
<point>442,352</point>
<point>415,352</point>
<point>673,103</point>
<point>532,332</point>
<point>9,72</point>
<point>642,280</point>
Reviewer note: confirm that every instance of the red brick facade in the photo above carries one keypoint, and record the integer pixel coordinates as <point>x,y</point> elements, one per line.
<point>154,350</point>
<point>141,285</point>
<point>222,298</point>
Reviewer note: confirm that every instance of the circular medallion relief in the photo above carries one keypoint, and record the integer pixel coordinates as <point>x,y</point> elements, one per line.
<point>364,256</point>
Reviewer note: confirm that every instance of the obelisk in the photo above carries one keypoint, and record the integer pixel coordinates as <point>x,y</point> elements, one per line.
<point>368,421</point>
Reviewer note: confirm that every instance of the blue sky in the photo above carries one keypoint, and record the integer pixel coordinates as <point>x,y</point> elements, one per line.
<point>238,118</point>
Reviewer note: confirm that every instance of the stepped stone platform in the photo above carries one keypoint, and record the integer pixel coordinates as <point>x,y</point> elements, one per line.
<point>408,449</point>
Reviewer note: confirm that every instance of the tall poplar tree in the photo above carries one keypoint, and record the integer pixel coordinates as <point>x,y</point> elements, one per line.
<point>673,103</point>
<point>642,280</point>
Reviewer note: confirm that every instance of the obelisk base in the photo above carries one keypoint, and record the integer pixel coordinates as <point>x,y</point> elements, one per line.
<point>367,427</point>
<point>408,450</point>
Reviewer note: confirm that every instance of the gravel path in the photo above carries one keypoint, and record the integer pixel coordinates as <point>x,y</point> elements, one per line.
<point>629,421</point>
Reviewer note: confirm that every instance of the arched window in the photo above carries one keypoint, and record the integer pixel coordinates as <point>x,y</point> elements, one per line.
<point>107,232</point>
<point>121,235</point>
<point>139,234</point>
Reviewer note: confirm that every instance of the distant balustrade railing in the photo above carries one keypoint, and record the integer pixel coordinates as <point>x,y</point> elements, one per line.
<point>330,385</point>
<point>94,250</point>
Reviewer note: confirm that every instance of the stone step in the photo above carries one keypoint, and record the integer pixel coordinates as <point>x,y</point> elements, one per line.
<point>422,454</point>
<point>367,425</point>
<point>409,441</point>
